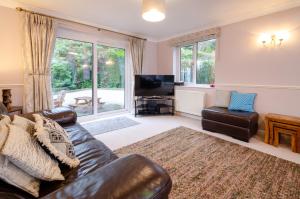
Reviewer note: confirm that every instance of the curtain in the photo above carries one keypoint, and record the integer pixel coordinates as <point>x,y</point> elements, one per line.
<point>137,53</point>
<point>195,37</point>
<point>38,43</point>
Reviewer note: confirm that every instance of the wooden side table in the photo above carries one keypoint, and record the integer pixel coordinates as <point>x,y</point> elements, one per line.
<point>15,110</point>
<point>276,124</point>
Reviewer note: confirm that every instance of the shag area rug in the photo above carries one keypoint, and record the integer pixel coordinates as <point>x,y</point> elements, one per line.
<point>107,125</point>
<point>202,166</point>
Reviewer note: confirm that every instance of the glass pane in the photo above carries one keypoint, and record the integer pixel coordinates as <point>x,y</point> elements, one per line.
<point>71,69</point>
<point>111,78</point>
<point>186,63</point>
<point>205,73</point>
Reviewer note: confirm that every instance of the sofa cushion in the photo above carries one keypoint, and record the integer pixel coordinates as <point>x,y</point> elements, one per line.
<point>242,101</point>
<point>92,154</point>
<point>24,152</point>
<point>4,122</point>
<point>236,118</point>
<point>8,171</point>
<point>17,177</point>
<point>24,123</point>
<point>55,139</point>
<point>222,98</point>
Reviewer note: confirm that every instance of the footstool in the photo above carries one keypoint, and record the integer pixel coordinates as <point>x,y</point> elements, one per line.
<point>237,124</point>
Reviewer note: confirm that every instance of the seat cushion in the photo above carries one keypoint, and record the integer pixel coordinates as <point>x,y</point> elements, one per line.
<point>235,118</point>
<point>92,154</point>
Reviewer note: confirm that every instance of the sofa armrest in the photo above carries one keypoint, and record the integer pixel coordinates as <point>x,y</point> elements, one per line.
<point>133,176</point>
<point>62,115</point>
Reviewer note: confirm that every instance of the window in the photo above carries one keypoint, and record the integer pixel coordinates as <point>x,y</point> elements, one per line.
<point>111,74</point>
<point>72,72</point>
<point>88,76</point>
<point>186,63</point>
<point>197,62</point>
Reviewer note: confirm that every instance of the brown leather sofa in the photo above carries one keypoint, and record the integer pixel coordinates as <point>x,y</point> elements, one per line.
<point>237,124</point>
<point>101,174</point>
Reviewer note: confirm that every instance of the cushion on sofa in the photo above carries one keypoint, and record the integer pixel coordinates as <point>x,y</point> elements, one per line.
<point>222,98</point>
<point>17,177</point>
<point>26,153</point>
<point>242,101</point>
<point>8,171</point>
<point>4,122</point>
<point>24,123</point>
<point>55,139</point>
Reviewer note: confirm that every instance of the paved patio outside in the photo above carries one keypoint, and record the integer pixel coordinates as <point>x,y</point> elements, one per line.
<point>111,100</point>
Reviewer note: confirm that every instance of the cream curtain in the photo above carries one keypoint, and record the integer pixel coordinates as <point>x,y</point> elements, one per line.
<point>39,38</point>
<point>137,51</point>
<point>195,37</point>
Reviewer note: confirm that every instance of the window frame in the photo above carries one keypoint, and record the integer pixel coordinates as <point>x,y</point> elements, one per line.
<point>84,35</point>
<point>177,62</point>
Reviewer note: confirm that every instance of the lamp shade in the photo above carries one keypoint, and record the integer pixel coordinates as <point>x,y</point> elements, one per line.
<point>154,10</point>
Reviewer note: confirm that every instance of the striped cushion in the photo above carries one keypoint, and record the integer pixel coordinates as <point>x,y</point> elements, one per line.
<point>242,101</point>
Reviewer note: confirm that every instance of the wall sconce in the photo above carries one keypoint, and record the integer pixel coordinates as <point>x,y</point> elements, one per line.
<point>274,40</point>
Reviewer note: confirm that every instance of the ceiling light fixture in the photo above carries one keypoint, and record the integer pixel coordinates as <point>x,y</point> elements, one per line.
<point>154,10</point>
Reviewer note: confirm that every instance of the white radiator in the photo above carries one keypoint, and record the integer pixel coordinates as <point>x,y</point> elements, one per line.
<point>191,102</point>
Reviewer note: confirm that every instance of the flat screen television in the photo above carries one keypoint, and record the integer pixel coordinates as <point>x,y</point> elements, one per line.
<point>154,85</point>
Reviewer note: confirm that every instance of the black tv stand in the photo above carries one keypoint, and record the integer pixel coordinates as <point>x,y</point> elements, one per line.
<point>153,97</point>
<point>154,105</point>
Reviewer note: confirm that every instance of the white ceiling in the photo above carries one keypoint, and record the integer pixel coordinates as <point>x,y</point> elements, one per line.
<point>182,16</point>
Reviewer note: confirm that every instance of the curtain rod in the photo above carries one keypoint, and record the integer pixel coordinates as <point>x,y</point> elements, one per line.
<point>71,21</point>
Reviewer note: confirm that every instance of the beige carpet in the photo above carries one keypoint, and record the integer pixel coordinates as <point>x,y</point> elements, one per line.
<point>202,166</point>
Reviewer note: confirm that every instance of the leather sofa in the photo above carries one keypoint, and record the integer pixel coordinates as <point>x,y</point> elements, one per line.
<point>101,173</point>
<point>237,124</point>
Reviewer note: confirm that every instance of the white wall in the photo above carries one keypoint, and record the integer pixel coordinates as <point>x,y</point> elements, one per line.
<point>11,70</point>
<point>150,58</point>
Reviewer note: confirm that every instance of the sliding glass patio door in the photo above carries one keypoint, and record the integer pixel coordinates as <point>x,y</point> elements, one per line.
<point>110,78</point>
<point>72,75</point>
<point>88,77</point>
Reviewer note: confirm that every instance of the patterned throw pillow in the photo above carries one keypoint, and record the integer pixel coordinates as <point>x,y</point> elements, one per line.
<point>9,172</point>
<point>52,136</point>
<point>242,101</point>
<point>26,153</point>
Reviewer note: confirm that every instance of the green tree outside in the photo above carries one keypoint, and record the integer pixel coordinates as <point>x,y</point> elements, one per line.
<point>72,66</point>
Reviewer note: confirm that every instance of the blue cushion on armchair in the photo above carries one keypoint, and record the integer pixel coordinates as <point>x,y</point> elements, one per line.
<point>242,101</point>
